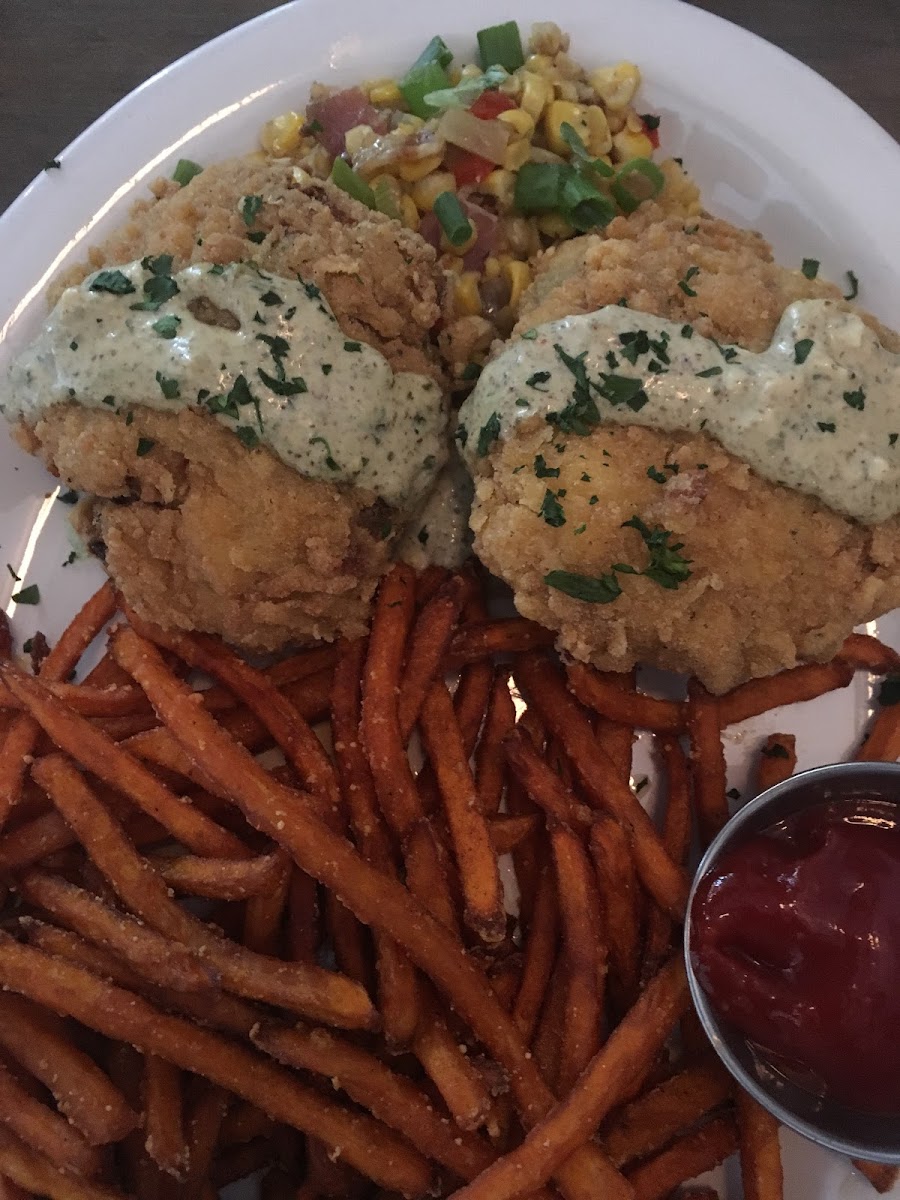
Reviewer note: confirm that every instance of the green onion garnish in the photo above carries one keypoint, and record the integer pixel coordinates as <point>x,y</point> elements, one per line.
<point>558,187</point>
<point>185,170</point>
<point>384,198</point>
<point>501,45</point>
<point>419,80</point>
<point>627,200</point>
<point>538,187</point>
<point>343,175</point>
<point>583,205</point>
<point>437,51</point>
<point>456,225</point>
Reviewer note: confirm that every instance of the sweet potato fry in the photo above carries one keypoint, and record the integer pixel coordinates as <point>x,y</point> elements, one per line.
<point>12,1191</point>
<point>475,857</point>
<point>540,953</point>
<point>163,1116</point>
<point>264,913</point>
<point>122,1015</point>
<point>866,653</point>
<point>548,1037</point>
<point>760,1150</point>
<point>204,1120</point>
<point>83,1092</point>
<point>44,1130</point>
<point>349,941</point>
<point>478,640</point>
<point>689,1156</point>
<point>298,986</point>
<point>882,743</point>
<point>576,888</point>
<point>882,1176</point>
<point>375,898</point>
<point>507,832</point>
<point>149,953</point>
<point>382,737</point>
<point>647,1124</point>
<point>219,878</point>
<point>89,701</point>
<point>6,642</point>
<point>490,759</point>
<point>428,582</point>
<point>602,692</point>
<point>429,640</point>
<point>542,783</point>
<point>388,1095</point>
<point>658,942</point>
<point>619,904</point>
<point>470,701</point>
<point>707,759</point>
<point>631,1048</point>
<point>787,687</point>
<point>39,1176</point>
<point>665,881</point>
<point>777,760</point>
<point>100,755</point>
<point>21,738</point>
<point>243,1123</point>
<point>428,876</point>
<point>446,1063</point>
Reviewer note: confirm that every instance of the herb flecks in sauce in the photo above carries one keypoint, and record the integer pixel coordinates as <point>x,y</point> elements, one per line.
<point>770,409</point>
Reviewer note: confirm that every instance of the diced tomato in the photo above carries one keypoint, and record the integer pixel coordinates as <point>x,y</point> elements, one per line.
<point>652,134</point>
<point>467,167</point>
<point>491,104</point>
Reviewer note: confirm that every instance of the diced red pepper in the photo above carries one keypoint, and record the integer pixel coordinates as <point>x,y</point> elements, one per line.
<point>467,167</point>
<point>491,104</point>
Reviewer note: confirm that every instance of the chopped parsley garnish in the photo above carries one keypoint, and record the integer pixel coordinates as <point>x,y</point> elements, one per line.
<point>667,567</point>
<point>167,326</point>
<point>240,392</point>
<point>634,343</point>
<point>856,399</point>
<point>611,361</point>
<point>889,692</point>
<point>709,372</point>
<point>270,298</point>
<point>283,387</point>
<point>462,434</point>
<point>168,387</point>
<point>249,208</point>
<point>73,345</point>
<point>687,331</point>
<point>602,589</point>
<point>651,120</point>
<point>129,417</point>
<point>529,335</point>
<point>52,164</point>
<point>656,476</point>
<point>247,436</point>
<point>185,170</point>
<point>685,284</point>
<point>892,438</point>
<point>542,471</point>
<point>68,497</point>
<point>538,377</point>
<point>112,281</point>
<point>422,536</point>
<point>826,426</point>
<point>581,414</point>
<point>776,750</point>
<point>729,353</point>
<point>28,595</point>
<point>853,286</point>
<point>17,578</point>
<point>329,461</point>
<point>733,794</point>
<point>810,267</point>
<point>551,510</point>
<point>144,446</point>
<point>593,500</point>
<point>326,368</point>
<point>802,349</point>
<point>623,389</point>
<point>353,347</point>
<point>314,126</point>
<point>487,435</point>
<point>160,287</point>
<point>257,237</point>
<point>217,269</point>
<point>580,529</point>
<point>109,400</point>
<point>585,478</point>
<point>278,346</point>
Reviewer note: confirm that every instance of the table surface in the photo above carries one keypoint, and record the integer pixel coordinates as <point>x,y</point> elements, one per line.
<point>63,64</point>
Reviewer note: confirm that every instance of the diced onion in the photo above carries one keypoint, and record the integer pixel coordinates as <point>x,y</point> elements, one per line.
<point>488,139</point>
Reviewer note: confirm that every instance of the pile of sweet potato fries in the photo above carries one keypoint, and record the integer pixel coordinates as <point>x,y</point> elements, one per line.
<point>232,945</point>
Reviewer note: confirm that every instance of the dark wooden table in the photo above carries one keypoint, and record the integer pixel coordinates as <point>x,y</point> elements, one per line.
<point>62,64</point>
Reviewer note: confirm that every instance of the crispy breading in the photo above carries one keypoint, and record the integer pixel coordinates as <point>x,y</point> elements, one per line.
<point>776,577</point>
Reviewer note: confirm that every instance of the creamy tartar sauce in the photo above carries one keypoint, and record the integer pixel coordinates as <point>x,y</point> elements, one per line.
<point>264,355</point>
<point>818,411</point>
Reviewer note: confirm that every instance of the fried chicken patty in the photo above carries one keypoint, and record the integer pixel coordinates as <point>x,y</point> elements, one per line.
<point>203,534</point>
<point>776,577</point>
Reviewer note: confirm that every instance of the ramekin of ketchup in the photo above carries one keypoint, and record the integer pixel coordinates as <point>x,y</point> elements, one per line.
<point>793,948</point>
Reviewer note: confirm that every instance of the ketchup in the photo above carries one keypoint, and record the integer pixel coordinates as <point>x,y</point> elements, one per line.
<point>796,942</point>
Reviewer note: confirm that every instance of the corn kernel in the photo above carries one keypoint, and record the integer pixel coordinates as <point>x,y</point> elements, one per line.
<point>427,190</point>
<point>518,275</point>
<point>384,93</point>
<point>410,123</point>
<point>563,112</point>
<point>501,184</point>
<point>466,295</point>
<point>470,71</point>
<point>615,120</point>
<point>599,139</point>
<point>358,138</point>
<point>554,225</point>
<point>412,172</point>
<point>519,235</point>
<point>409,214</point>
<point>492,267</point>
<point>565,89</point>
<point>536,94</point>
<point>281,136</point>
<point>516,154</point>
<point>616,85</point>
<point>542,64</point>
<point>634,123</point>
<point>452,264</point>
<point>522,122</point>
<point>627,145</point>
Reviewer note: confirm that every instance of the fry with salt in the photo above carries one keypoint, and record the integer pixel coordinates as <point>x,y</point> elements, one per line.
<point>38,1176</point>
<point>691,1155</point>
<point>707,759</point>
<point>428,644</point>
<point>762,1176</point>
<point>490,761</point>
<point>882,1176</point>
<point>787,687</point>
<point>604,694</point>
<point>44,1130</point>
<point>163,1116</point>
<point>619,899</point>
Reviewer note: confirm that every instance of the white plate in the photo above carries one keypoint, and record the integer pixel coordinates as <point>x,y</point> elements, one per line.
<point>773,145</point>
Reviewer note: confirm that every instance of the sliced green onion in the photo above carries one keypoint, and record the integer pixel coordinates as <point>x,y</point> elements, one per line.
<point>583,205</point>
<point>418,81</point>
<point>384,198</point>
<point>343,175</point>
<point>582,159</point>
<point>185,170</point>
<point>627,200</point>
<point>467,91</point>
<point>437,51</point>
<point>538,187</point>
<point>454,222</point>
<point>501,45</point>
